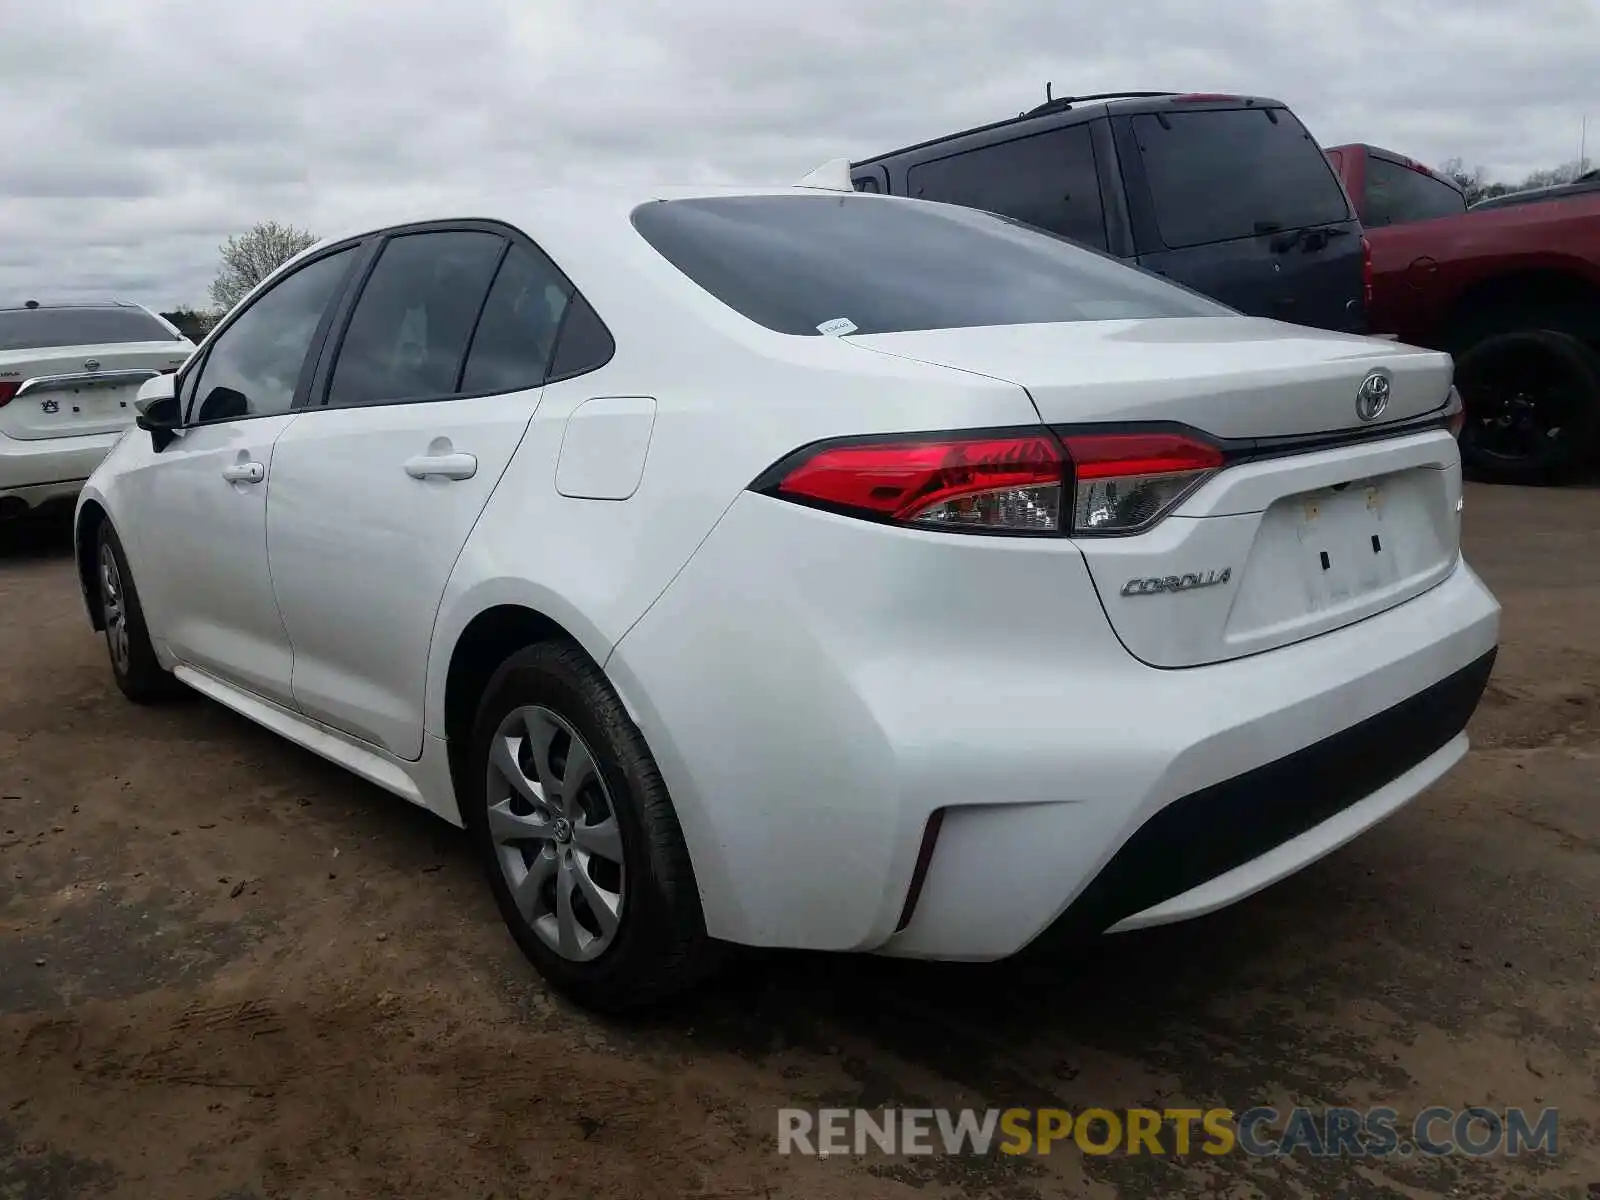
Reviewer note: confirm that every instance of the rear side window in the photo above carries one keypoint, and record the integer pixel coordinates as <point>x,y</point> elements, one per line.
<point>883,265</point>
<point>517,332</point>
<point>1397,195</point>
<point>1048,180</point>
<point>408,334</point>
<point>586,344</point>
<point>50,328</point>
<point>1217,175</point>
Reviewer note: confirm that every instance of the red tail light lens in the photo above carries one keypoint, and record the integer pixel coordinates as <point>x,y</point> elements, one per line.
<point>998,484</point>
<point>1083,484</point>
<point>1455,413</point>
<point>1366,272</point>
<point>1126,482</point>
<point>8,389</point>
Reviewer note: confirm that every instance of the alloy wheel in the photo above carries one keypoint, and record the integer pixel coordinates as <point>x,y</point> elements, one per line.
<point>113,606</point>
<point>555,834</point>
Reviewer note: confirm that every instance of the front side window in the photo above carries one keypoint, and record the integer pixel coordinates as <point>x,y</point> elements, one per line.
<point>408,335</point>
<point>1397,195</point>
<point>1222,174</point>
<point>517,332</point>
<point>879,265</point>
<point>253,366</point>
<point>1047,179</point>
<point>50,328</point>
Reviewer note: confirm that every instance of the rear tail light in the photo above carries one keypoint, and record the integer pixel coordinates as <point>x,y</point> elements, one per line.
<point>1455,413</point>
<point>1366,272</point>
<point>1001,484</point>
<point>1126,482</point>
<point>1091,484</point>
<point>8,389</point>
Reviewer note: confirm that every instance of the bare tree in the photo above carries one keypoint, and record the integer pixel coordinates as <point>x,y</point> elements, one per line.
<point>249,258</point>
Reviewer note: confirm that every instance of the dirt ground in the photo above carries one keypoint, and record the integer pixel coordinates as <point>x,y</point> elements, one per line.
<point>230,971</point>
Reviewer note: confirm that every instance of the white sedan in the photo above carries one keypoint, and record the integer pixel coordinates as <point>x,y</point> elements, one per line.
<point>791,567</point>
<point>69,376</point>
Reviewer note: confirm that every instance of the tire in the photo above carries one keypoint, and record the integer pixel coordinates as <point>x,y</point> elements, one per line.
<point>133,659</point>
<point>542,703</point>
<point>1532,400</point>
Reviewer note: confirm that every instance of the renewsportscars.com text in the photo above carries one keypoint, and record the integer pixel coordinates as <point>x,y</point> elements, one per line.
<point>1263,1132</point>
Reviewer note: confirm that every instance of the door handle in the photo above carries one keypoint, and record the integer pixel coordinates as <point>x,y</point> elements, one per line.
<point>442,466</point>
<point>244,472</point>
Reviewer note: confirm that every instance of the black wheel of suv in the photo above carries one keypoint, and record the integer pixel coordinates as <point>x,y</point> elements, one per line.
<point>1532,399</point>
<point>582,847</point>
<point>133,660</point>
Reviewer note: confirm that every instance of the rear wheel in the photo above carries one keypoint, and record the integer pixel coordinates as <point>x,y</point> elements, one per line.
<point>579,839</point>
<point>1532,400</point>
<point>133,659</point>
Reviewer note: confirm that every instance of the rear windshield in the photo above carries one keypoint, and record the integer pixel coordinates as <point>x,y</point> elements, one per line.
<point>875,265</point>
<point>1397,195</point>
<point>46,328</point>
<point>1217,175</point>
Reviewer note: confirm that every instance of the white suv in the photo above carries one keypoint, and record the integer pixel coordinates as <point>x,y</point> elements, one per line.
<point>801,568</point>
<point>69,374</point>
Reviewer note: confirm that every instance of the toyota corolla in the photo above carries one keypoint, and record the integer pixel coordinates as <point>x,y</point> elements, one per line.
<point>791,567</point>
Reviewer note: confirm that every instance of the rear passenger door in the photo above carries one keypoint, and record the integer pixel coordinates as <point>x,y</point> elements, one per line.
<point>415,414</point>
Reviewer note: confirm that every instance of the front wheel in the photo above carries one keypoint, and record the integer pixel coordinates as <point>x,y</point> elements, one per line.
<point>582,847</point>
<point>133,659</point>
<point>1532,400</point>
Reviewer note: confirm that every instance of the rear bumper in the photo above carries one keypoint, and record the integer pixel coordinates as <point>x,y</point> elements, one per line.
<point>51,468</point>
<point>815,689</point>
<point>1214,846</point>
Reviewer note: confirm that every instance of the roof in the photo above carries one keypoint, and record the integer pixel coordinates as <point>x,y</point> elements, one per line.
<point>540,205</point>
<point>1087,107</point>
<point>29,305</point>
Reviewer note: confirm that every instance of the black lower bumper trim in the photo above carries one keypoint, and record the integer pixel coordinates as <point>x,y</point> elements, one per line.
<point>1207,833</point>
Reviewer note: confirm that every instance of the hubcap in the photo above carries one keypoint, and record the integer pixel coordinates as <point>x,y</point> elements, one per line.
<point>555,833</point>
<point>111,605</point>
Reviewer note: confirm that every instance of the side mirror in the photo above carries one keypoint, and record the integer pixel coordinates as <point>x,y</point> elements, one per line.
<point>157,406</point>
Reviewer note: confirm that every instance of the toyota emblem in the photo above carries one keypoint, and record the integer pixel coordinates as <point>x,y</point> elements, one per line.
<point>1373,397</point>
<point>92,365</point>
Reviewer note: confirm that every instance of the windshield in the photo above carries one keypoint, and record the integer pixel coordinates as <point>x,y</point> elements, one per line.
<point>48,328</point>
<point>864,264</point>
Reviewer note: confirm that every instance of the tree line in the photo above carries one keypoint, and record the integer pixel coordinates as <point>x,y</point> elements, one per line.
<point>1475,181</point>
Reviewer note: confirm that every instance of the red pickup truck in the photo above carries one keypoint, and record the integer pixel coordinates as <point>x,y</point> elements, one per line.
<point>1513,292</point>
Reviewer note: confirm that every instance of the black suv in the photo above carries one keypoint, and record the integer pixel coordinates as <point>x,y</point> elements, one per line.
<point>1228,195</point>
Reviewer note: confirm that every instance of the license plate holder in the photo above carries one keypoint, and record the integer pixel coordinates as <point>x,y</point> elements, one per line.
<point>1347,548</point>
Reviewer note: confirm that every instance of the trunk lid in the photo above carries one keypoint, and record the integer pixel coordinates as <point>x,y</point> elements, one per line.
<point>78,391</point>
<point>1278,546</point>
<point>1232,377</point>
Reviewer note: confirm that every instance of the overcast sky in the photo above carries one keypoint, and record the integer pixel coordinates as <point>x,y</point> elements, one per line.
<point>140,133</point>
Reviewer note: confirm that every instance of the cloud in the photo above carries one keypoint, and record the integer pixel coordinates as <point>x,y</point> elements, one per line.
<point>140,133</point>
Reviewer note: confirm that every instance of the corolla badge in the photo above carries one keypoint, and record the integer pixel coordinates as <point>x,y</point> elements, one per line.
<point>1157,584</point>
<point>1372,397</point>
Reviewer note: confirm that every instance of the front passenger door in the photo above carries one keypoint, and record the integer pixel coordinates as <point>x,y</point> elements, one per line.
<point>436,379</point>
<point>199,507</point>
